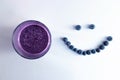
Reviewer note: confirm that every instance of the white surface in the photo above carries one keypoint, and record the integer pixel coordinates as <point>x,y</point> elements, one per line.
<point>60,63</point>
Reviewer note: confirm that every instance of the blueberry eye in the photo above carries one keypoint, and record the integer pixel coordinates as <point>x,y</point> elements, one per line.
<point>91,26</point>
<point>77,27</point>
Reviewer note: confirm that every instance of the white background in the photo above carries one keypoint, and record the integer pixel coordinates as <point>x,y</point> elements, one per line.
<point>60,16</point>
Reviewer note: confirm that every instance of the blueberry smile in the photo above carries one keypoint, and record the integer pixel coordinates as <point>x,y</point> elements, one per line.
<point>87,52</point>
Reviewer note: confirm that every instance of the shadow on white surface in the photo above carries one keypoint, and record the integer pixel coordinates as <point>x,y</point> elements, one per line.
<point>6,39</point>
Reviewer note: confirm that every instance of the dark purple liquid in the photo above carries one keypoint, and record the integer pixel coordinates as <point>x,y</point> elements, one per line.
<point>34,39</point>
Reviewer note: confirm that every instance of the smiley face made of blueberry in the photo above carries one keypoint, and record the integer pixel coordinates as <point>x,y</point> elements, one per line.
<point>91,51</point>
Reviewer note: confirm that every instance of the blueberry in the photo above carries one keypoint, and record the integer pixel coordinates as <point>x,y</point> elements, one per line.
<point>101,47</point>
<point>83,53</point>
<point>109,38</point>
<point>65,39</point>
<point>88,52</point>
<point>91,26</point>
<point>71,46</point>
<point>93,51</point>
<point>75,49</point>
<point>105,43</point>
<point>98,50</point>
<point>68,43</point>
<point>79,51</point>
<point>77,27</point>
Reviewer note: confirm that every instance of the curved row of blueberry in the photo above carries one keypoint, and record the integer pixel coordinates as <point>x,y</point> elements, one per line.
<point>87,52</point>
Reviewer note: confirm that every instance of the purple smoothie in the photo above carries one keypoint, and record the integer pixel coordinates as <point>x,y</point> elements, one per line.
<point>31,39</point>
